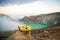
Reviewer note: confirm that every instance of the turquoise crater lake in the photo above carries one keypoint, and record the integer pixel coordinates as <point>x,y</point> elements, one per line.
<point>36,25</point>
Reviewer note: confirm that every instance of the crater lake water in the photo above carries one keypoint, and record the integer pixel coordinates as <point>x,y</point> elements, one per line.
<point>36,25</point>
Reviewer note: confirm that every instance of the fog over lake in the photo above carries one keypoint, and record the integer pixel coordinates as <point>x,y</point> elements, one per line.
<point>8,24</point>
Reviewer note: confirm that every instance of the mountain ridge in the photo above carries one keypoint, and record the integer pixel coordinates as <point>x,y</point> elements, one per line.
<point>52,18</point>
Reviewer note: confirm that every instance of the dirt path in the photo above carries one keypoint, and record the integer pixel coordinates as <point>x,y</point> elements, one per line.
<point>20,36</point>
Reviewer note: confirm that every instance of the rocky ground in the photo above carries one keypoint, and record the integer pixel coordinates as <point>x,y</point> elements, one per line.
<point>5,34</point>
<point>49,33</point>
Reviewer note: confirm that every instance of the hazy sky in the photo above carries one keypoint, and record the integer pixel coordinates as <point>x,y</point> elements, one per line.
<point>29,7</point>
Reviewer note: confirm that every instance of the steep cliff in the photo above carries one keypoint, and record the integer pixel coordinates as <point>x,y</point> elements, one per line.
<point>52,18</point>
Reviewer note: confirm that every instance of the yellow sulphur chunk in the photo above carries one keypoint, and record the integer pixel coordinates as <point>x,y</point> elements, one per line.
<point>24,28</point>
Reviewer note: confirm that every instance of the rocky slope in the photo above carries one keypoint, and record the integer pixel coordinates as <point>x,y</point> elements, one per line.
<point>52,18</point>
<point>5,34</point>
<point>49,33</point>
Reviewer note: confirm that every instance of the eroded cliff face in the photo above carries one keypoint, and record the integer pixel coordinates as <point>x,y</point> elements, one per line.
<point>49,33</point>
<point>52,18</point>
